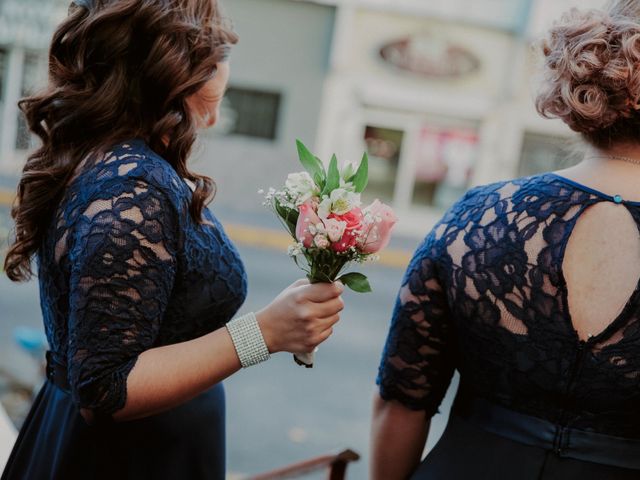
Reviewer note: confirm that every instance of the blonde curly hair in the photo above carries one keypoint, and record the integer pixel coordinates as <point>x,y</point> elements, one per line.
<point>592,73</point>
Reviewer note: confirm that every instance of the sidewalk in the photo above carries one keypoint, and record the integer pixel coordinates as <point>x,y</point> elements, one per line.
<point>7,438</point>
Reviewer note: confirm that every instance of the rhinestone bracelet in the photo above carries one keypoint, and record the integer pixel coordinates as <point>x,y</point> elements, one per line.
<point>248,340</point>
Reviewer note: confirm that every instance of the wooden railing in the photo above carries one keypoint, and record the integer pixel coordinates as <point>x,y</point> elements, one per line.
<point>335,464</point>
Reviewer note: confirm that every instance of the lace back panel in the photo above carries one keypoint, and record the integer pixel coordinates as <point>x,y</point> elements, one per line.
<point>529,289</point>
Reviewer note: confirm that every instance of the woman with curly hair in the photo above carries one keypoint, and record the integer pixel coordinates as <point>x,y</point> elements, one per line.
<point>138,281</point>
<point>529,288</point>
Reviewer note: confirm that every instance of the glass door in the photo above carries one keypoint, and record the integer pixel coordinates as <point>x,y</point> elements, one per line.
<point>445,155</point>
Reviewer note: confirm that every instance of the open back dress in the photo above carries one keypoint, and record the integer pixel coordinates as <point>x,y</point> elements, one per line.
<point>548,354</point>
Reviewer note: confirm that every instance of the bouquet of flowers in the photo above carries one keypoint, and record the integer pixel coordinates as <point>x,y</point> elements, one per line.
<point>322,210</point>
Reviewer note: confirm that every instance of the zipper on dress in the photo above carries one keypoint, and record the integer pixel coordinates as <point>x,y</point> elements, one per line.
<point>562,424</point>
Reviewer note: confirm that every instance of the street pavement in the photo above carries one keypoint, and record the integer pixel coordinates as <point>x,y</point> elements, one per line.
<point>278,412</point>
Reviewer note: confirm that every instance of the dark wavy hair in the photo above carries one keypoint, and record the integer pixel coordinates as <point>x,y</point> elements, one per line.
<point>118,69</point>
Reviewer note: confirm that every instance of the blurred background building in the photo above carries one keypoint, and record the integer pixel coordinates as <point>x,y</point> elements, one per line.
<point>438,92</point>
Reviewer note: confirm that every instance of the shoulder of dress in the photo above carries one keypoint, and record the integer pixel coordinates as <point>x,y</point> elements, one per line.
<point>477,193</point>
<point>477,200</point>
<point>489,188</point>
<point>131,168</point>
<point>136,161</point>
<point>471,206</point>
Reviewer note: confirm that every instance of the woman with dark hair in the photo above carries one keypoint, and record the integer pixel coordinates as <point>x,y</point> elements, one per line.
<point>137,277</point>
<point>529,288</point>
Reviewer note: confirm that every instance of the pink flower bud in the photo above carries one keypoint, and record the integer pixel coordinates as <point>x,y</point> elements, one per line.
<point>307,218</point>
<point>377,231</point>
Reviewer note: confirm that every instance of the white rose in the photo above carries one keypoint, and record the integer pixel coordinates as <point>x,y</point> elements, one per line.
<point>301,187</point>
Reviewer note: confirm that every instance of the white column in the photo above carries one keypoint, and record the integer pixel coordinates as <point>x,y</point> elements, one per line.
<point>343,35</point>
<point>501,134</point>
<point>12,94</point>
<point>337,96</point>
<point>406,176</point>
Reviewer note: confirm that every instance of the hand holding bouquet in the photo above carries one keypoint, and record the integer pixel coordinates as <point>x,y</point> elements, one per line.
<point>322,210</point>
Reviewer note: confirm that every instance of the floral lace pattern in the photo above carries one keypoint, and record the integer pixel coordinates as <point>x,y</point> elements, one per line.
<point>485,294</point>
<point>124,269</point>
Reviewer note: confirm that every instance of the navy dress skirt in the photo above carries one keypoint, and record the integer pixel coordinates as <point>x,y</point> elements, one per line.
<point>123,269</point>
<point>56,442</point>
<point>485,295</point>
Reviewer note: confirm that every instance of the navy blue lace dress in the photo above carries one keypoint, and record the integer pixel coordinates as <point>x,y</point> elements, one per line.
<point>485,294</point>
<point>123,269</point>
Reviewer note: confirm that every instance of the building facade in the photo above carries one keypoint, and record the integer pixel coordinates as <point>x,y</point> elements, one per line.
<point>25,32</point>
<point>439,93</point>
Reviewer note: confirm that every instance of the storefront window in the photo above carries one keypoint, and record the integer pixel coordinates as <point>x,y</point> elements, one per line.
<point>444,162</point>
<point>252,113</point>
<point>384,147</point>
<point>543,153</point>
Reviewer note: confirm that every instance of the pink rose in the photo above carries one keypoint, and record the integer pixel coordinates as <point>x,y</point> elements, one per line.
<point>377,232</point>
<point>306,219</point>
<point>353,220</point>
<point>335,229</point>
<point>322,241</point>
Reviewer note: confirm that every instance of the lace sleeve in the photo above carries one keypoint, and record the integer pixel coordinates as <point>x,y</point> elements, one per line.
<point>122,274</point>
<point>418,360</point>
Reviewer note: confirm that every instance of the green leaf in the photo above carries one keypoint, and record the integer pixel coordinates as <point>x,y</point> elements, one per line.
<point>356,282</point>
<point>362,175</point>
<point>289,216</point>
<point>319,180</point>
<point>311,163</point>
<point>333,176</point>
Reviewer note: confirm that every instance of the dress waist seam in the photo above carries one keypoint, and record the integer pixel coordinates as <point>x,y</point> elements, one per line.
<point>537,432</point>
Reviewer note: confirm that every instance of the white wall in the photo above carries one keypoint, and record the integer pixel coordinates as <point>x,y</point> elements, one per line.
<point>284,46</point>
<point>8,436</point>
<point>545,12</point>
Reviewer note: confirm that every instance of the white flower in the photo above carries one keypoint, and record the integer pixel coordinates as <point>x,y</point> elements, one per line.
<point>350,187</point>
<point>340,202</point>
<point>348,171</point>
<point>343,201</point>
<point>311,228</point>
<point>321,241</point>
<point>295,249</point>
<point>324,208</point>
<point>301,187</point>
